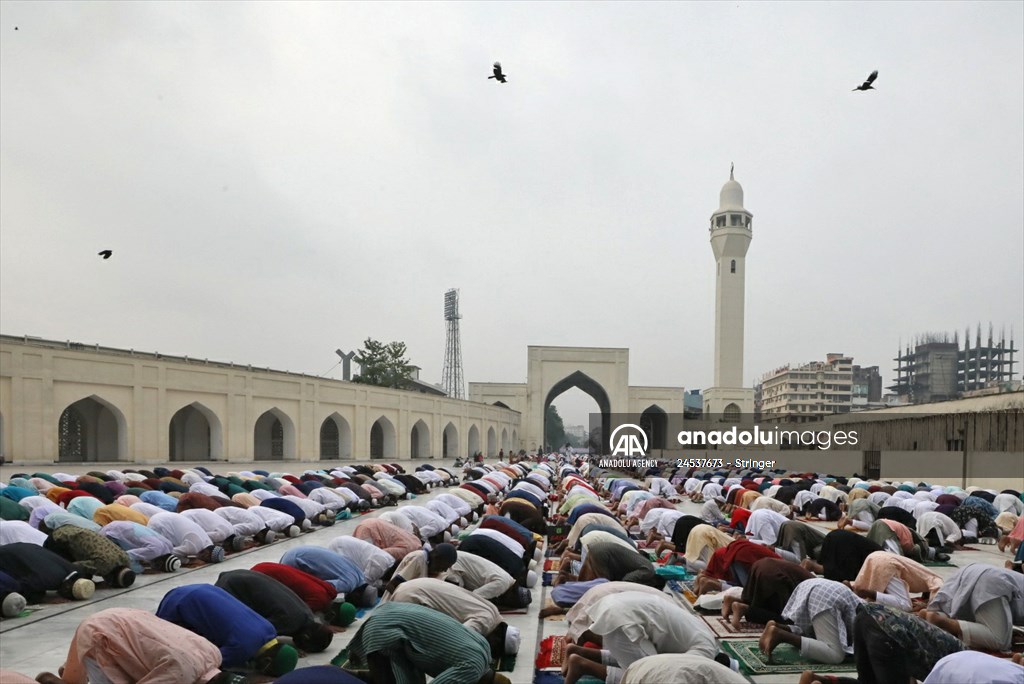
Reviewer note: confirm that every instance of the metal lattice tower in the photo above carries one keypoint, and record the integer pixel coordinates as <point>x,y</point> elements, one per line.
<point>451,376</point>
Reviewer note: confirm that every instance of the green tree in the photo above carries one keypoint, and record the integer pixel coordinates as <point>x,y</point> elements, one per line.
<point>382,364</point>
<point>554,429</point>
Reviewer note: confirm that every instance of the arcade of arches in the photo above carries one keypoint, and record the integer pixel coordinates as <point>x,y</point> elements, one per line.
<point>61,402</point>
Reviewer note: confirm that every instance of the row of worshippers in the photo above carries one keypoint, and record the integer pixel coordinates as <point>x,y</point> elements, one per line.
<point>440,609</point>
<point>863,597</point>
<point>313,586</point>
<point>623,627</point>
<point>81,532</point>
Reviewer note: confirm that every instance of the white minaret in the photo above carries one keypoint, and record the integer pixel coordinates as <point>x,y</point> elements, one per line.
<point>730,238</point>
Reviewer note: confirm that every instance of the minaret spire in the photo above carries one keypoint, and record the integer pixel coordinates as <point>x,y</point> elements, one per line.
<point>732,166</point>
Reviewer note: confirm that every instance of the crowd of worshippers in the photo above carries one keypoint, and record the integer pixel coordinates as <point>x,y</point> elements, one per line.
<point>435,606</point>
<point>861,590</point>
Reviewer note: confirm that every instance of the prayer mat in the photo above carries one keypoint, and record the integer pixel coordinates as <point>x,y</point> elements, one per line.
<point>515,611</point>
<point>340,660</point>
<point>547,677</point>
<point>552,564</point>
<point>684,588</point>
<point>785,660</point>
<point>506,663</point>
<point>559,617</point>
<point>551,653</point>
<point>939,564</point>
<point>723,628</point>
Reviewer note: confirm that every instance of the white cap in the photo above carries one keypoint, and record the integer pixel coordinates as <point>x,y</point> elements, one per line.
<point>512,639</point>
<point>531,578</point>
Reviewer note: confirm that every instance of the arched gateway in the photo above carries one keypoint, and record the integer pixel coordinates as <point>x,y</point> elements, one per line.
<point>602,373</point>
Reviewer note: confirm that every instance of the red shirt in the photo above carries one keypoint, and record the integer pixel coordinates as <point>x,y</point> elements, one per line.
<point>314,592</point>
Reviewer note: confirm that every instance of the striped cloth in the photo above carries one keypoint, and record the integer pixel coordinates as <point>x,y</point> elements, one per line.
<point>417,640</point>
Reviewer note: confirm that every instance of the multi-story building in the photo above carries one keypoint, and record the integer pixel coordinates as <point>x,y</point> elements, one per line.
<point>866,389</point>
<point>937,369</point>
<point>809,392</point>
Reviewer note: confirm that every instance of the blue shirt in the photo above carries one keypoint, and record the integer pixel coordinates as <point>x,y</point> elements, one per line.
<point>161,500</point>
<point>209,611</point>
<point>338,571</point>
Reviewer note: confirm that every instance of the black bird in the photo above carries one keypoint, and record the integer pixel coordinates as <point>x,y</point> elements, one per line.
<point>107,253</point>
<point>497,73</point>
<point>866,85</point>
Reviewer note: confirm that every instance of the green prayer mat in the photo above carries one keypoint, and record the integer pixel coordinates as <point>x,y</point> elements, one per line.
<point>506,663</point>
<point>785,659</point>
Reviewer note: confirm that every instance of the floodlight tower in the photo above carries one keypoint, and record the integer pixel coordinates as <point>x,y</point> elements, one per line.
<point>451,376</point>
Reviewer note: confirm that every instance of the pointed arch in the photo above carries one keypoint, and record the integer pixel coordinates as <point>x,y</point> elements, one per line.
<point>492,443</point>
<point>731,413</point>
<point>91,429</point>
<point>654,421</point>
<point>335,438</point>
<point>474,440</point>
<point>588,386</point>
<point>450,441</point>
<point>195,434</point>
<point>419,440</point>
<point>274,436</point>
<point>505,446</point>
<point>515,440</point>
<point>382,439</point>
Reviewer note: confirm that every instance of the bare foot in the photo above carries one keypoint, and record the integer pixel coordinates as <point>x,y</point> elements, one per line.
<point>48,678</point>
<point>727,602</point>
<point>770,638</point>
<point>738,611</point>
<point>843,521</point>
<point>551,610</point>
<point>1003,542</point>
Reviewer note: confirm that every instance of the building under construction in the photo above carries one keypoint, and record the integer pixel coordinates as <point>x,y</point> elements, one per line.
<point>938,368</point>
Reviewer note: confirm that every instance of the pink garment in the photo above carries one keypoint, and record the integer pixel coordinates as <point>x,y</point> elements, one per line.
<point>902,533</point>
<point>136,647</point>
<point>292,490</point>
<point>127,500</point>
<point>1018,530</point>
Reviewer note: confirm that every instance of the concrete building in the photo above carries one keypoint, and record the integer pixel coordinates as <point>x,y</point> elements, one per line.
<point>866,388</point>
<point>730,238</point>
<point>809,392</point>
<point>68,402</point>
<point>936,368</point>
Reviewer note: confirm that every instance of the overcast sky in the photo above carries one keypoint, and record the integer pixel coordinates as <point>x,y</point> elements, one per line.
<point>280,180</point>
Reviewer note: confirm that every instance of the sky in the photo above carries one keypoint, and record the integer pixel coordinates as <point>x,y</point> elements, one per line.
<point>280,180</point>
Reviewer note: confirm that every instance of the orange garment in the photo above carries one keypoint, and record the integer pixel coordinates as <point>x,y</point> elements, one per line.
<point>116,512</point>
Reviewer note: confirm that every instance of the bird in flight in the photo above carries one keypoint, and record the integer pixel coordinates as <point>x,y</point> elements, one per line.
<point>107,253</point>
<point>497,73</point>
<point>866,85</point>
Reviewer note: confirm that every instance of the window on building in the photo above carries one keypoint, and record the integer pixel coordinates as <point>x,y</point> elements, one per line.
<point>720,221</point>
<point>732,267</point>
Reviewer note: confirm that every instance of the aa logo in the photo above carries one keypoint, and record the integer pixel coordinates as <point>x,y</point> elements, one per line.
<point>628,440</point>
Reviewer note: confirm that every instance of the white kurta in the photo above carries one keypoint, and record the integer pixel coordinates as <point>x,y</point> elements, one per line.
<point>372,561</point>
<point>472,611</point>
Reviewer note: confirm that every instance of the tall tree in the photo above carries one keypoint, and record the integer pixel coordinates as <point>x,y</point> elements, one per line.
<point>382,364</point>
<point>554,429</point>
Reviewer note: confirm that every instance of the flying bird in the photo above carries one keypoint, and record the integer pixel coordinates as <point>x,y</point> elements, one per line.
<point>866,85</point>
<point>107,253</point>
<point>497,73</point>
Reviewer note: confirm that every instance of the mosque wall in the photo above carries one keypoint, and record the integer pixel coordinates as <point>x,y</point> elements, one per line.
<point>123,406</point>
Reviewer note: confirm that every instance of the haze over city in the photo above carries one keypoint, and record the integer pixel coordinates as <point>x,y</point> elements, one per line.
<point>278,181</point>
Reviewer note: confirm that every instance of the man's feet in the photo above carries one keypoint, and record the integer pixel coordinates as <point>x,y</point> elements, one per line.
<point>770,638</point>
<point>843,521</point>
<point>738,611</point>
